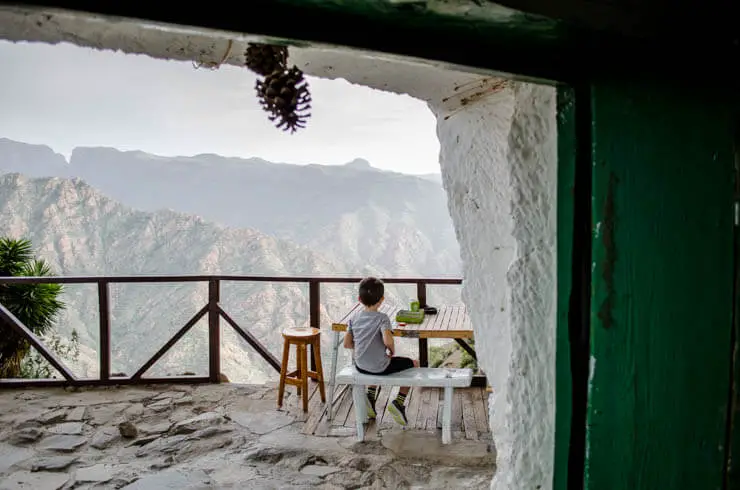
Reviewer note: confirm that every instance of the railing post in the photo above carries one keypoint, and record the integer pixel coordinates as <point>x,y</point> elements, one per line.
<point>314,311</point>
<point>421,293</point>
<point>421,297</point>
<point>104,316</point>
<point>214,331</point>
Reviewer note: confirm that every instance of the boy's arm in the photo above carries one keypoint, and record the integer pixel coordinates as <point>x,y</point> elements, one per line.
<point>388,341</point>
<point>388,336</point>
<point>349,342</point>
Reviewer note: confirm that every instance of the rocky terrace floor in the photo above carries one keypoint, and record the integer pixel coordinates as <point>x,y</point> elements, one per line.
<point>210,437</point>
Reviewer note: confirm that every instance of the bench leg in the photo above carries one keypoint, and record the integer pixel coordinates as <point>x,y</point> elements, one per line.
<point>333,374</point>
<point>358,397</point>
<point>447,416</point>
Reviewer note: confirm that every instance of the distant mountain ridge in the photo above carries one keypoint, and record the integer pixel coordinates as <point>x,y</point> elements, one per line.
<point>397,222</point>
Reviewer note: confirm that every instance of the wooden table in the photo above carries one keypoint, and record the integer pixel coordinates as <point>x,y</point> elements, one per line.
<point>450,322</point>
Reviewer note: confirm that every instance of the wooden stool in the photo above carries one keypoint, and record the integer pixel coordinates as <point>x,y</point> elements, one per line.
<point>301,338</point>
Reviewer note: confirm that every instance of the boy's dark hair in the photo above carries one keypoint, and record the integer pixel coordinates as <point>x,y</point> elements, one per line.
<point>371,290</point>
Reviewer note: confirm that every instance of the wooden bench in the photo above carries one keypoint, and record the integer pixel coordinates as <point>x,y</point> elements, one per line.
<point>449,379</point>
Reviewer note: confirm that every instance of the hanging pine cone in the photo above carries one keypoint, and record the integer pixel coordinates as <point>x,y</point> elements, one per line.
<point>285,97</point>
<point>264,59</point>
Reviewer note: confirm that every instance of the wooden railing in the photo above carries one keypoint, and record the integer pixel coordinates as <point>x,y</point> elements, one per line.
<point>212,309</point>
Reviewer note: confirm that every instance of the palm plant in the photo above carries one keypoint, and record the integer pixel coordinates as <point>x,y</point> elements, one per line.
<point>35,305</point>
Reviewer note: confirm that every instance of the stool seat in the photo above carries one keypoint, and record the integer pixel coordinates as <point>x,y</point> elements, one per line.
<point>302,338</point>
<point>301,332</point>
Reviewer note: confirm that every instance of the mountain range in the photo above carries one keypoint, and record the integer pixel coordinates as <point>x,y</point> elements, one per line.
<point>109,212</point>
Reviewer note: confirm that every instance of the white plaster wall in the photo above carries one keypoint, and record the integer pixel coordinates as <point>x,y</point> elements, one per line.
<point>530,414</point>
<point>498,162</point>
<point>498,158</point>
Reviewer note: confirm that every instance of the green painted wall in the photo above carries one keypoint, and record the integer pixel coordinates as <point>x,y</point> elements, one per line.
<point>661,312</point>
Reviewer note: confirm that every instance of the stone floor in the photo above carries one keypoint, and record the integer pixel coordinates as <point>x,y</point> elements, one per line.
<point>210,436</point>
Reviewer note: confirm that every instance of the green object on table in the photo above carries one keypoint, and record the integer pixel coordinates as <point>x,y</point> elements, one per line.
<point>408,316</point>
<point>415,305</point>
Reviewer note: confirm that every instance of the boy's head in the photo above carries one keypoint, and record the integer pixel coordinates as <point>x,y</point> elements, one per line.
<point>372,291</point>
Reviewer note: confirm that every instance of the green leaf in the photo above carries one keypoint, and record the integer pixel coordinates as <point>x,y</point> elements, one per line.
<point>37,306</point>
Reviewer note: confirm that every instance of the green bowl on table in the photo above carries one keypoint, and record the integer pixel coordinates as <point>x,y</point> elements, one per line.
<point>408,316</point>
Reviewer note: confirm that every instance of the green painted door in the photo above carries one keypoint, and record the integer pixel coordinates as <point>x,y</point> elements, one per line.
<point>732,480</point>
<point>662,286</point>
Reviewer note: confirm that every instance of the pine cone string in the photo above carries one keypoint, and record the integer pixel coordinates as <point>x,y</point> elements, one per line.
<point>283,94</point>
<point>285,97</point>
<point>264,59</point>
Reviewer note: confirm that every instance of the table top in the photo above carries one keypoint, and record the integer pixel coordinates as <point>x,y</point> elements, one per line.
<point>450,322</point>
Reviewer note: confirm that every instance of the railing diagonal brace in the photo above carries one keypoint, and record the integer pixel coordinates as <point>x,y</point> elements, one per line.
<point>6,317</point>
<point>466,347</point>
<point>251,340</point>
<point>185,329</point>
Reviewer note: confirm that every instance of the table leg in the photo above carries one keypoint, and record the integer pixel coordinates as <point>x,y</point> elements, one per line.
<point>423,353</point>
<point>333,375</point>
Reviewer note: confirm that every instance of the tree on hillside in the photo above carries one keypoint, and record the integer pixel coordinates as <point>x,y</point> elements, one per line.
<point>37,306</point>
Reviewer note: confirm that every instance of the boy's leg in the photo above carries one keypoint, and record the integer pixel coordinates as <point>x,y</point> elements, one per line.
<point>404,390</point>
<point>370,397</point>
<point>397,407</point>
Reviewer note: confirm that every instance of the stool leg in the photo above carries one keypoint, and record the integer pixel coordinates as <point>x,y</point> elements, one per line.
<point>304,376</point>
<point>316,345</point>
<point>283,372</point>
<point>299,367</point>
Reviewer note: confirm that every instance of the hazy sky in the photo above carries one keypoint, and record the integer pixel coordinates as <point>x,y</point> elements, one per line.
<point>65,96</point>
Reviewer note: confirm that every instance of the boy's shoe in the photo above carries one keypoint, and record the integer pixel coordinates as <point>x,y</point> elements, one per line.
<point>399,413</point>
<point>370,406</point>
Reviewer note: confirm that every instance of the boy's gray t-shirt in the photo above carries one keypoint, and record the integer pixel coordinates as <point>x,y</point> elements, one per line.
<point>367,333</point>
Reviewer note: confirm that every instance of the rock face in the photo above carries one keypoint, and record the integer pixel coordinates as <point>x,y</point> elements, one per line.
<point>222,439</point>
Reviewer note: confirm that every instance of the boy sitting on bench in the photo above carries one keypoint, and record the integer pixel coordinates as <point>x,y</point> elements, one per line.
<point>371,336</point>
